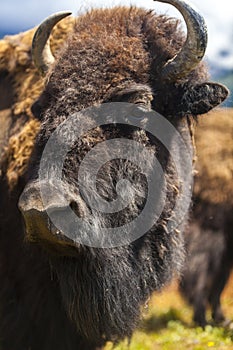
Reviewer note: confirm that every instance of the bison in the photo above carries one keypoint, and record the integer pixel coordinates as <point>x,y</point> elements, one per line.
<point>209,237</point>
<point>57,293</point>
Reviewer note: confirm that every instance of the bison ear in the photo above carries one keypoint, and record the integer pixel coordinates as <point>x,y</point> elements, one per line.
<point>201,98</point>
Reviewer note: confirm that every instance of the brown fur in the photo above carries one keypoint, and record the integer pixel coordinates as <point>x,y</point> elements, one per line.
<point>27,84</point>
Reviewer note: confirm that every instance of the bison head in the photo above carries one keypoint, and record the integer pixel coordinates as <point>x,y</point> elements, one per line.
<point>135,57</point>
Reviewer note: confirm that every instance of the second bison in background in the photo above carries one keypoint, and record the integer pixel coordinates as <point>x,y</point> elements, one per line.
<point>209,238</point>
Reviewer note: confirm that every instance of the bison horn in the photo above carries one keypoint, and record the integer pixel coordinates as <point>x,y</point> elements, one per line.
<point>41,52</point>
<point>194,47</point>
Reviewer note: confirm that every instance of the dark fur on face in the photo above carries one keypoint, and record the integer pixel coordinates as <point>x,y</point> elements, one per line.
<point>98,285</point>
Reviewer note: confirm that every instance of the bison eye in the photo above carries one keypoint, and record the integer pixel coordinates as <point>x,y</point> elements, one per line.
<point>144,104</point>
<point>137,94</point>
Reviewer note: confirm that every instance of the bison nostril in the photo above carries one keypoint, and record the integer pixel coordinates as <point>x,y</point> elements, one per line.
<point>74,207</point>
<point>79,208</point>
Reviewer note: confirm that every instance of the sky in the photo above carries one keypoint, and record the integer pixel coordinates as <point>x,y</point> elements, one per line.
<point>19,15</point>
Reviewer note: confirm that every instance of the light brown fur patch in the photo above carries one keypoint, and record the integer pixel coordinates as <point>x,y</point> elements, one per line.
<point>19,151</point>
<point>15,58</point>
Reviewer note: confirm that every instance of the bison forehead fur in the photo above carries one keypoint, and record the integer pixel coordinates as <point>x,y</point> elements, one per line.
<point>100,56</point>
<point>58,295</point>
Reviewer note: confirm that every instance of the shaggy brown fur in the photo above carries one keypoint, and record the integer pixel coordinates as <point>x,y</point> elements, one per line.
<point>61,296</point>
<point>24,85</point>
<point>210,236</point>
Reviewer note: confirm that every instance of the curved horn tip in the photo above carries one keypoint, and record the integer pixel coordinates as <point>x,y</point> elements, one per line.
<point>57,15</point>
<point>41,52</point>
<point>194,48</point>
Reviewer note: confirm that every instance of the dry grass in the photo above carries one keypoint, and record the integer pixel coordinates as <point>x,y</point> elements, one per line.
<point>214,141</point>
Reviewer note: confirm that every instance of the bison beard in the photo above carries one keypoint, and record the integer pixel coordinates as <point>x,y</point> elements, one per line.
<point>100,298</point>
<point>104,290</point>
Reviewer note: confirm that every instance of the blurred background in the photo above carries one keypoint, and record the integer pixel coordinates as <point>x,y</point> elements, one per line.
<point>17,16</point>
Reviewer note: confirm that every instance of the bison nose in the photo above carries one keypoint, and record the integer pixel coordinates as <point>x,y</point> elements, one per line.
<point>31,198</point>
<point>37,215</point>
